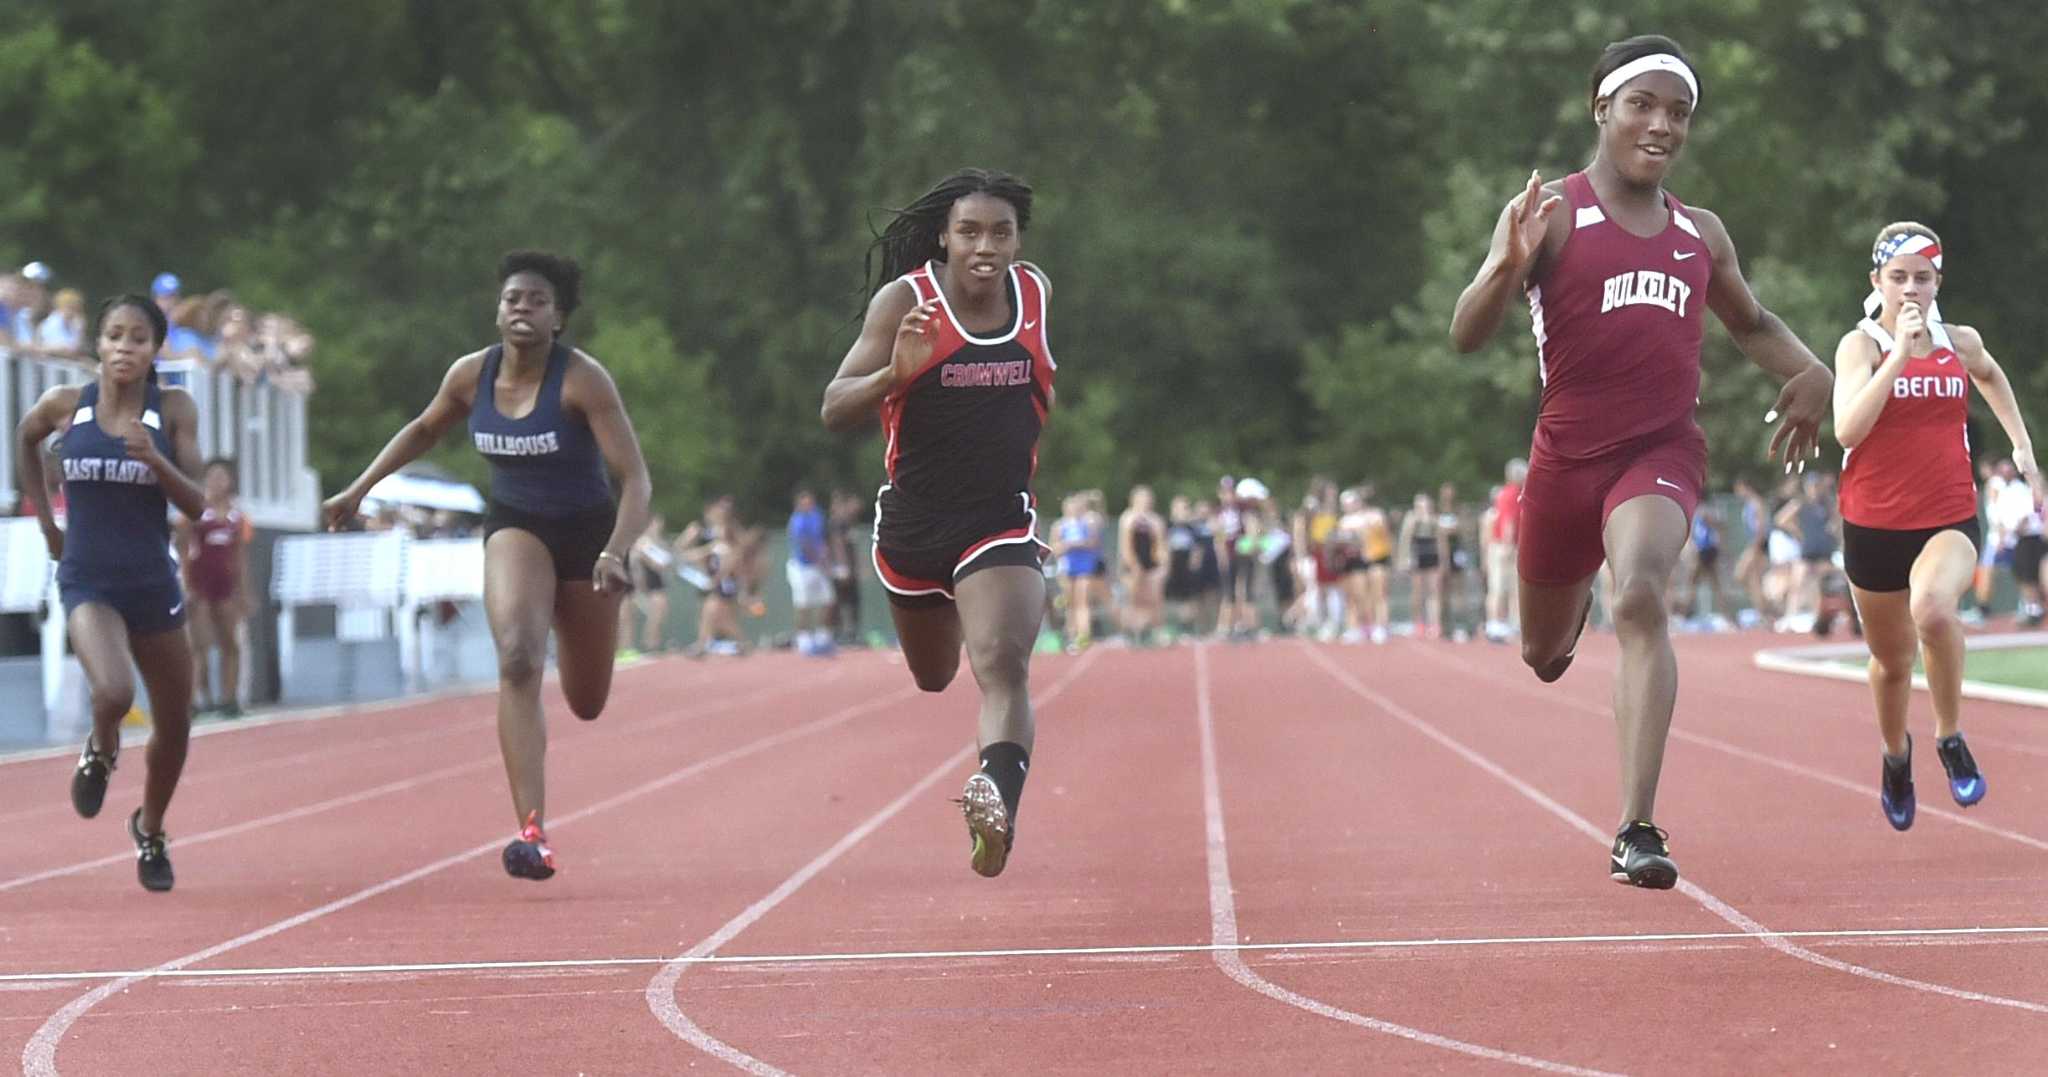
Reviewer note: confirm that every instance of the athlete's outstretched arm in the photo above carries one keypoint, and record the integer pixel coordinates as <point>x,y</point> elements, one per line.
<point>1769,343</point>
<point>892,349</point>
<point>1991,381</point>
<point>595,394</point>
<point>1519,238</point>
<point>37,424</point>
<point>174,475</point>
<point>450,405</point>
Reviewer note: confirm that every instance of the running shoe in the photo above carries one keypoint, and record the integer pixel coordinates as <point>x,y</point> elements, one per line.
<point>1895,789</point>
<point>1554,670</point>
<point>528,856</point>
<point>1965,781</point>
<point>89,781</point>
<point>988,823</point>
<point>1642,857</point>
<point>152,855</point>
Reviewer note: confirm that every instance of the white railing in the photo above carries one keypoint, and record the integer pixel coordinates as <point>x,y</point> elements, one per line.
<point>260,426</point>
<point>27,585</point>
<point>379,583</point>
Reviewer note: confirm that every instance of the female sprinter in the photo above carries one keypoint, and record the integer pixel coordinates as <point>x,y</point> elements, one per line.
<point>1616,283</point>
<point>953,355</point>
<point>550,423</point>
<point>1909,504</point>
<point>127,447</point>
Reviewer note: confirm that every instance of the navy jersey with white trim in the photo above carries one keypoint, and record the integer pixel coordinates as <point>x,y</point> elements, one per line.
<point>547,461</point>
<point>117,526</point>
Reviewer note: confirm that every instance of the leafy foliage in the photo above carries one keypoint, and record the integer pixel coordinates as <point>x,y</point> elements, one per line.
<point>1257,213</point>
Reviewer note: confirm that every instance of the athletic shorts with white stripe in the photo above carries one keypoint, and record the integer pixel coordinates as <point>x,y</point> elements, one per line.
<point>922,552</point>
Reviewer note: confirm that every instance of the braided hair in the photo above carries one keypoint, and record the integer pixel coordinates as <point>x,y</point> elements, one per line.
<point>915,234</point>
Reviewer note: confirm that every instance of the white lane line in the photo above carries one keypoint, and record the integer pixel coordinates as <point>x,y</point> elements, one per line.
<point>288,716</point>
<point>1965,934</point>
<point>1223,916</point>
<point>661,990</point>
<point>1580,823</point>
<point>1739,752</point>
<point>39,1057</point>
<point>358,797</point>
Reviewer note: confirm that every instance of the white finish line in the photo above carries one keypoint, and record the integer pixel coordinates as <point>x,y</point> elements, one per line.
<point>1048,951</point>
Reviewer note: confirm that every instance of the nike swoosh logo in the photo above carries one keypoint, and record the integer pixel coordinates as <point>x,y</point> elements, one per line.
<point>1662,481</point>
<point>1683,255</point>
<point>1032,324</point>
<point>1943,361</point>
<point>175,609</point>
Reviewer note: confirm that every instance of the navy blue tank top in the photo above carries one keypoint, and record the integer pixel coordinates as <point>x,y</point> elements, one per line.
<point>117,525</point>
<point>545,462</point>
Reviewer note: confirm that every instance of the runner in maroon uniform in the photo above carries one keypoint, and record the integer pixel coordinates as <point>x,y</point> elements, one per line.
<point>216,559</point>
<point>953,354</point>
<point>1617,273</point>
<point>1909,503</point>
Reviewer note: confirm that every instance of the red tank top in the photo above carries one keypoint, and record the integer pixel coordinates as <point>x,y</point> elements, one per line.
<point>964,431</point>
<point>1618,320</point>
<point>1912,470</point>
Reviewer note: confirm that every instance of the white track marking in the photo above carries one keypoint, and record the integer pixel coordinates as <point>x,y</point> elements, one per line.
<point>294,715</point>
<point>481,763</point>
<point>1928,935</point>
<point>1580,823</point>
<point>1223,916</point>
<point>39,1057</point>
<point>661,990</point>
<point>1739,752</point>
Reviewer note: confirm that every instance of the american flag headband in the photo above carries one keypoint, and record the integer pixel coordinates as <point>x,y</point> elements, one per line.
<point>1903,243</point>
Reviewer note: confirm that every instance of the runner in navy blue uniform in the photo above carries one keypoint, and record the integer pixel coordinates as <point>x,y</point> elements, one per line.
<point>953,355</point>
<point>128,447</point>
<point>550,422</point>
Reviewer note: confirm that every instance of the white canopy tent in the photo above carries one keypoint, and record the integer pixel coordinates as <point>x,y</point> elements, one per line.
<point>424,491</point>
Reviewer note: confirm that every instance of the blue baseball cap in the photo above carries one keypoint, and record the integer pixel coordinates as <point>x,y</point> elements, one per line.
<point>36,271</point>
<point>164,284</point>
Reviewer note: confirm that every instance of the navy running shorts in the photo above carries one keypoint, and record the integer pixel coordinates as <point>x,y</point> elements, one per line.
<point>146,609</point>
<point>573,541</point>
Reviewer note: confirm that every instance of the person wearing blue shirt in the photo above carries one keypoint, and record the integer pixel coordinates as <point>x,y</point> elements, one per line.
<point>810,589</point>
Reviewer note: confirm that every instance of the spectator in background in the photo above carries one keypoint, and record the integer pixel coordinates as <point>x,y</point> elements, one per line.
<point>32,302</point>
<point>164,289</point>
<point>1421,547</point>
<point>1501,591</point>
<point>189,337</point>
<point>840,563</point>
<point>214,551</point>
<point>63,332</point>
<point>810,589</point>
<point>647,564</point>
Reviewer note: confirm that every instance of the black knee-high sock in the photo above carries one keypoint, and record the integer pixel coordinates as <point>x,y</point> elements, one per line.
<point>1005,762</point>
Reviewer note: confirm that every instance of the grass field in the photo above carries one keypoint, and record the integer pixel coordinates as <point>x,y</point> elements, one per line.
<point>2018,667</point>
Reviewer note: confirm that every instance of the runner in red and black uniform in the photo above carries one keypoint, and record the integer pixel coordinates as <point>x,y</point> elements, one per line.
<point>1909,503</point>
<point>953,355</point>
<point>1617,272</point>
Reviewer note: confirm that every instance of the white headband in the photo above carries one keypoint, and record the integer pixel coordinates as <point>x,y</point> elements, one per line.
<point>1661,61</point>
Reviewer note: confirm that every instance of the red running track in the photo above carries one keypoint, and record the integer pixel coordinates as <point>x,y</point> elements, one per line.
<point>1275,857</point>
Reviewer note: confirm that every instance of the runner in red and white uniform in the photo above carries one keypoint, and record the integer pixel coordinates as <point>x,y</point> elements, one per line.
<point>1617,273</point>
<point>953,356</point>
<point>1909,503</point>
